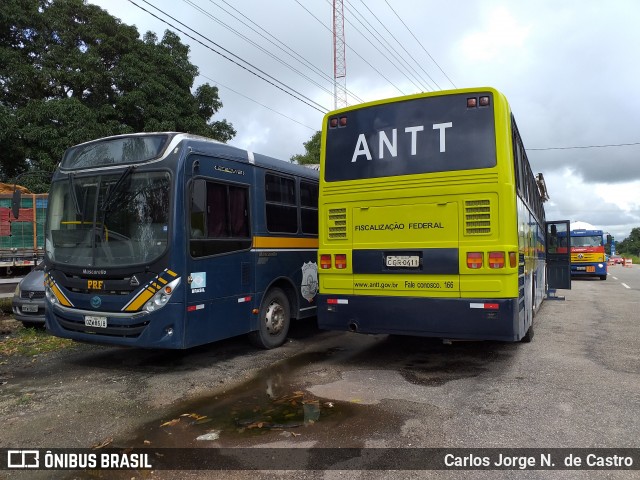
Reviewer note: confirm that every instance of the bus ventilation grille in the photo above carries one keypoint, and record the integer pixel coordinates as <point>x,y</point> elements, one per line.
<point>337,224</point>
<point>477,217</point>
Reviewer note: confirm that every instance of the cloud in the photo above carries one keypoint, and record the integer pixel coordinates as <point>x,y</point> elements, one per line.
<point>568,69</point>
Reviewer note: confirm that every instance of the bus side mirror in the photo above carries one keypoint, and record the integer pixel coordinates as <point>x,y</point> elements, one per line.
<point>15,203</point>
<point>609,239</point>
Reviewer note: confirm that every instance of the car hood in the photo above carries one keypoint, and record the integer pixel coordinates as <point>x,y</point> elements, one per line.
<point>34,281</point>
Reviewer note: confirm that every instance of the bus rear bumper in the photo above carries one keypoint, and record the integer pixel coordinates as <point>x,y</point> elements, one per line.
<point>468,319</point>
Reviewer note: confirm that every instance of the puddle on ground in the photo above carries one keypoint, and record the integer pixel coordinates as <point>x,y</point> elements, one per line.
<point>267,408</point>
<point>296,397</point>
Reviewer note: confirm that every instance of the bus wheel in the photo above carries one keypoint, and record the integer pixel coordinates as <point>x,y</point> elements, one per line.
<point>528,336</point>
<point>603,277</point>
<point>275,317</point>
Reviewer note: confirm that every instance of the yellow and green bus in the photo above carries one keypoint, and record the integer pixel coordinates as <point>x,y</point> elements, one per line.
<point>431,220</point>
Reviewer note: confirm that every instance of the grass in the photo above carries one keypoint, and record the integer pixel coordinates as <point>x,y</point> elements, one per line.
<point>5,306</point>
<point>29,342</point>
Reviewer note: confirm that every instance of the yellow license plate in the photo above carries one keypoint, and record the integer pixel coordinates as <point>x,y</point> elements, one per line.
<point>591,269</point>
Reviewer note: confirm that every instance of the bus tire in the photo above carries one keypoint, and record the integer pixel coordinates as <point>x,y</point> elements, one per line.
<point>603,277</point>
<point>528,336</point>
<point>275,317</point>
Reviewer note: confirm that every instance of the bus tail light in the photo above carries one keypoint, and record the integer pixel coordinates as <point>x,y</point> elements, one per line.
<point>496,259</point>
<point>513,259</point>
<point>325,261</point>
<point>341,261</point>
<point>474,260</point>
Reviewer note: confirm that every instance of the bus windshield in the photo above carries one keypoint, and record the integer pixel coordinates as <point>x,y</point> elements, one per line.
<point>118,150</point>
<point>108,220</point>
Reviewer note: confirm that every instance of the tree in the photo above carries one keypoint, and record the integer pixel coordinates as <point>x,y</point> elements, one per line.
<point>631,244</point>
<point>312,151</point>
<point>70,72</point>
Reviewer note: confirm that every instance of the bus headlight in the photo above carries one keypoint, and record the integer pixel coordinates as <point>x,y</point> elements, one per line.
<point>162,296</point>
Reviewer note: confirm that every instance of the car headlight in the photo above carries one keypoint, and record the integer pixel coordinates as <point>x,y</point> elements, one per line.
<point>162,296</point>
<point>16,293</point>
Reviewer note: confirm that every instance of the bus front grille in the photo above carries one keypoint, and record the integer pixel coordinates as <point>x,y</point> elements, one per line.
<point>477,217</point>
<point>113,330</point>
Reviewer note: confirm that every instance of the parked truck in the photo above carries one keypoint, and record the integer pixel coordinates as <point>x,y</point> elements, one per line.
<point>587,253</point>
<point>22,238</point>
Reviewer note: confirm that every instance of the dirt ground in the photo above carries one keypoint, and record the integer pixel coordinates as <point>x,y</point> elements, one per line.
<point>85,396</point>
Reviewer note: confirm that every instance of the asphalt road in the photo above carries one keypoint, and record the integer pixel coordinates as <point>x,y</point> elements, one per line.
<point>576,385</point>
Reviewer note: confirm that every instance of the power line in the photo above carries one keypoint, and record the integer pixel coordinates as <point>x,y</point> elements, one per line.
<point>248,40</point>
<point>289,51</point>
<point>351,49</point>
<point>374,36</point>
<point>419,43</point>
<point>401,45</point>
<point>251,68</point>
<point>584,146</point>
<point>261,104</point>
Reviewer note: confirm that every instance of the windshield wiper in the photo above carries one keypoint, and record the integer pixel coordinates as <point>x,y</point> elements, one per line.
<point>109,196</point>
<point>74,196</point>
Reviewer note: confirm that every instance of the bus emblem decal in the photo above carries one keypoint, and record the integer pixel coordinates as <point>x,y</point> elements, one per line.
<point>134,282</point>
<point>309,286</point>
<point>96,302</point>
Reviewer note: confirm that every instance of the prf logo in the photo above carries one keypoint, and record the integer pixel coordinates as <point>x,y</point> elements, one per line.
<point>23,459</point>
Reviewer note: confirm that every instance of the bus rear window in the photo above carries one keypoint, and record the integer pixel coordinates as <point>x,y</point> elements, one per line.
<point>114,151</point>
<point>422,135</point>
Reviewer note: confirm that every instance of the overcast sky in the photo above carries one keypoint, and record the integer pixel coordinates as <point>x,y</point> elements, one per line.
<point>569,69</point>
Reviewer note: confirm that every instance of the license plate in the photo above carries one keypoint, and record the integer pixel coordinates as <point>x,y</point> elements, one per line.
<point>411,261</point>
<point>591,269</point>
<point>580,269</point>
<point>91,321</point>
<point>30,308</point>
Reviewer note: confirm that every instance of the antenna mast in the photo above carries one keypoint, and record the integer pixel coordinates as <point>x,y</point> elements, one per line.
<point>339,56</point>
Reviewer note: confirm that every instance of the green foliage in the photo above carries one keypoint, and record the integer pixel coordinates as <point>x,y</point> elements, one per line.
<point>70,72</point>
<point>32,341</point>
<point>631,244</point>
<point>312,151</point>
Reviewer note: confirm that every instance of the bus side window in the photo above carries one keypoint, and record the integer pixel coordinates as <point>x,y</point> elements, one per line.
<point>309,207</point>
<point>198,205</point>
<point>281,209</point>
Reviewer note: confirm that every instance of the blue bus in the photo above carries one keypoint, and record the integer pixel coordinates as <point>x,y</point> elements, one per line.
<point>170,240</point>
